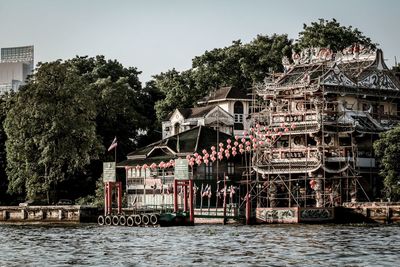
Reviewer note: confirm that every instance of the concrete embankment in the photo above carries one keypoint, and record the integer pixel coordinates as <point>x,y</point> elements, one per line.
<point>48,214</point>
<point>368,212</point>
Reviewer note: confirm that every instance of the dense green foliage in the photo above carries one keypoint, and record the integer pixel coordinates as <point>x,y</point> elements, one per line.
<point>329,33</point>
<point>387,149</point>
<point>63,120</point>
<point>51,130</point>
<point>239,65</point>
<point>3,159</point>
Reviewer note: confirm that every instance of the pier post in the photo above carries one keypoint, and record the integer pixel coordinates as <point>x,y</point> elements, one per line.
<point>247,209</point>
<point>191,205</point>
<point>185,198</point>
<point>105,199</point>
<point>175,195</point>
<point>119,192</point>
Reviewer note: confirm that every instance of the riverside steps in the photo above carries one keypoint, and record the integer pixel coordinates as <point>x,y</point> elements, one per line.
<point>62,214</point>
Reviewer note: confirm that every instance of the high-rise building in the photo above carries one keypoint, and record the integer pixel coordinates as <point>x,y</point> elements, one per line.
<point>15,65</point>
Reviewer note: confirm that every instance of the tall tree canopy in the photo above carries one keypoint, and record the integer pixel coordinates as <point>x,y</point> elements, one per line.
<point>387,149</point>
<point>64,119</point>
<point>51,130</point>
<point>237,65</point>
<point>124,108</point>
<point>329,33</point>
<point>3,159</point>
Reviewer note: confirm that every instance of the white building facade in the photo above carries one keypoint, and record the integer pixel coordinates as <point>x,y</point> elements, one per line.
<point>16,65</point>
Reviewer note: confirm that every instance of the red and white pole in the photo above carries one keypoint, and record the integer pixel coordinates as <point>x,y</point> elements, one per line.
<point>191,201</point>
<point>175,195</point>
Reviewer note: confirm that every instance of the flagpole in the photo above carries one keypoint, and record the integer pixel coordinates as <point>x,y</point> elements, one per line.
<point>115,155</point>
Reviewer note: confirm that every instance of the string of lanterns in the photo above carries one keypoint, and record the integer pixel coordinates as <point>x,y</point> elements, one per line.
<point>257,137</point>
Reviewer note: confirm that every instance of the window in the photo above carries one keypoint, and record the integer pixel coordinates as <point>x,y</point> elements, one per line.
<point>177,127</point>
<point>238,115</point>
<point>208,171</point>
<point>231,168</point>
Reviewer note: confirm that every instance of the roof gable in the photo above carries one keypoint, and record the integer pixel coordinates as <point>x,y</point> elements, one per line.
<point>337,78</point>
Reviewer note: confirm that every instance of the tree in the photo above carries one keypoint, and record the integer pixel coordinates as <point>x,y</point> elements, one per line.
<point>239,65</point>
<point>387,149</point>
<point>114,103</point>
<point>179,90</point>
<point>124,108</point>
<point>331,34</point>
<point>3,138</point>
<point>51,132</point>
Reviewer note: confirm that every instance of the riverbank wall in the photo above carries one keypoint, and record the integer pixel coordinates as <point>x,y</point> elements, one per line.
<point>368,212</point>
<point>48,214</point>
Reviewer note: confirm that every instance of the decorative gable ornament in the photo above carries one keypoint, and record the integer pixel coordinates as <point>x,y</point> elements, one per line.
<point>337,78</point>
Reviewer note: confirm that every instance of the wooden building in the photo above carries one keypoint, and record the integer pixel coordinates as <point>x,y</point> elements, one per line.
<point>225,108</point>
<point>150,170</point>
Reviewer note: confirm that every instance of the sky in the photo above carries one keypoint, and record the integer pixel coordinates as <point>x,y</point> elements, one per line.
<point>155,35</point>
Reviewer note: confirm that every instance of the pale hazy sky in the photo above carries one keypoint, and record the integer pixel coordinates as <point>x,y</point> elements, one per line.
<point>156,35</point>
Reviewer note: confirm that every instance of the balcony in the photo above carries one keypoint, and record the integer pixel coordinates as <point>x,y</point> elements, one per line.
<point>288,160</point>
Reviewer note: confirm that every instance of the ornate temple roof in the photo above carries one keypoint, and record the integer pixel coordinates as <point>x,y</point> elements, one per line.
<point>354,67</point>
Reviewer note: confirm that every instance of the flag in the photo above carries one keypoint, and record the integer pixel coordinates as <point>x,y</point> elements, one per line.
<point>113,144</point>
<point>232,191</point>
<point>205,191</point>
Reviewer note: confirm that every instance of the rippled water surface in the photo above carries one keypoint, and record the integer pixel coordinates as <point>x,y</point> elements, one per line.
<point>268,245</point>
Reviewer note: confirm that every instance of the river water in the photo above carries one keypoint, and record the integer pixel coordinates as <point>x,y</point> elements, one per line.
<point>202,245</point>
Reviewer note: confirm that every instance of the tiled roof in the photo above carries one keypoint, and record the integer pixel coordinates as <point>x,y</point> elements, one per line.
<point>188,142</point>
<point>196,112</point>
<point>224,93</point>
